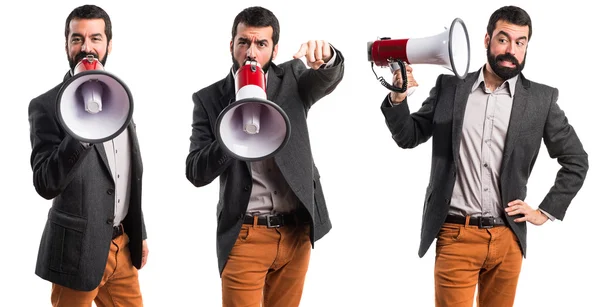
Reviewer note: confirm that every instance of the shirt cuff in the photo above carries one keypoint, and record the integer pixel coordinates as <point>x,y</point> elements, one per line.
<point>389,99</point>
<point>332,60</point>
<point>552,218</point>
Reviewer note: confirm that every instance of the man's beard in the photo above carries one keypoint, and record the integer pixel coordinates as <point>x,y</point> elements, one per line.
<point>82,55</point>
<point>265,68</point>
<point>505,73</point>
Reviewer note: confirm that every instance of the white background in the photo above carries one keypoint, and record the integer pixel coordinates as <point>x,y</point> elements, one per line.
<point>167,50</point>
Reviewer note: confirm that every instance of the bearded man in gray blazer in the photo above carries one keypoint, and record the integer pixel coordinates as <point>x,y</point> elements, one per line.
<point>270,212</point>
<point>486,131</point>
<point>94,240</point>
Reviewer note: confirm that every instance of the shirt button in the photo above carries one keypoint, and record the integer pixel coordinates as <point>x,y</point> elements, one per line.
<point>485,165</point>
<point>485,189</point>
<point>275,192</point>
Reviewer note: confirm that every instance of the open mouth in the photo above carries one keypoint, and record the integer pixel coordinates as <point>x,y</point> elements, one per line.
<point>507,63</point>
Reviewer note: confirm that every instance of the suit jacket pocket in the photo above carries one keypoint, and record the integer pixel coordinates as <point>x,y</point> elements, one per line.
<point>65,234</point>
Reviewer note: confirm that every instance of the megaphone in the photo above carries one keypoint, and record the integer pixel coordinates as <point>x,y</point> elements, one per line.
<point>252,128</point>
<point>451,49</point>
<point>94,106</point>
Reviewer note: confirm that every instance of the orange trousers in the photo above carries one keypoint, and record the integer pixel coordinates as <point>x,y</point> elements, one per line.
<point>267,267</point>
<point>119,286</point>
<point>468,257</point>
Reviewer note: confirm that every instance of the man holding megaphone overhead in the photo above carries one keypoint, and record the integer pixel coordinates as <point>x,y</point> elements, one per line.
<point>86,158</point>
<point>250,130</point>
<point>486,131</point>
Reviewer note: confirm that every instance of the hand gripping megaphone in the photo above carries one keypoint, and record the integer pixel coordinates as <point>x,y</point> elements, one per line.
<point>94,106</point>
<point>450,49</point>
<point>252,128</point>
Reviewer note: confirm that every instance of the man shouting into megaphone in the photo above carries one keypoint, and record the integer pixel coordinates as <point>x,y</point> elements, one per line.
<point>270,211</point>
<point>94,240</point>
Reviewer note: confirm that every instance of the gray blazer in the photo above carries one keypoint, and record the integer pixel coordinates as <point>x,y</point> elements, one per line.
<point>78,233</point>
<point>295,89</point>
<point>535,117</point>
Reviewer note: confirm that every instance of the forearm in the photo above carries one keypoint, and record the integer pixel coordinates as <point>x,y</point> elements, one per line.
<point>54,165</point>
<point>316,84</point>
<point>206,164</point>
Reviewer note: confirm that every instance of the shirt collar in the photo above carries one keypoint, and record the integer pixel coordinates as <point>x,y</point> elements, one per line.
<point>512,83</point>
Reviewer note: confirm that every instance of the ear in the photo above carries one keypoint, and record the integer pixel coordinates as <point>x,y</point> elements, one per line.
<point>109,48</point>
<point>231,47</point>
<point>486,41</point>
<point>275,49</point>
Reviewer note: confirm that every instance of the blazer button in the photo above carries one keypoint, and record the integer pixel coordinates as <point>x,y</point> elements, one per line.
<point>110,191</point>
<point>246,188</point>
<point>110,221</point>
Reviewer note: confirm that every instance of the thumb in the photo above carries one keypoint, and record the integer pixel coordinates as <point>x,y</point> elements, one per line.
<point>301,52</point>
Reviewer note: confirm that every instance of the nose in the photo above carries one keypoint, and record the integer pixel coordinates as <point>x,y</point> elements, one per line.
<point>251,52</point>
<point>86,46</point>
<point>511,48</point>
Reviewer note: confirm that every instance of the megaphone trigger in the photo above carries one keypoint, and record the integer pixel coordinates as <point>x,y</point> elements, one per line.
<point>393,64</point>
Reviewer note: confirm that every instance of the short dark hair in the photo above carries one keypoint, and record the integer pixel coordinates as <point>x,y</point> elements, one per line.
<point>90,12</point>
<point>257,16</point>
<point>511,14</point>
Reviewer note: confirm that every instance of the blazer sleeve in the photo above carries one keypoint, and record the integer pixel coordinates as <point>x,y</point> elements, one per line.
<point>409,130</point>
<point>314,84</point>
<point>206,159</point>
<point>55,155</point>
<point>564,145</point>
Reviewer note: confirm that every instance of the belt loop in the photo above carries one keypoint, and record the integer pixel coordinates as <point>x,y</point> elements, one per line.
<point>255,222</point>
<point>467,220</point>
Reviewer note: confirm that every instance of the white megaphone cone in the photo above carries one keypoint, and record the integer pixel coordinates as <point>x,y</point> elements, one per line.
<point>94,106</point>
<point>450,49</point>
<point>252,128</point>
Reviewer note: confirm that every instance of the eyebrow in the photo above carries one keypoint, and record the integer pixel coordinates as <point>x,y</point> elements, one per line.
<point>247,40</point>
<point>80,35</point>
<point>506,34</point>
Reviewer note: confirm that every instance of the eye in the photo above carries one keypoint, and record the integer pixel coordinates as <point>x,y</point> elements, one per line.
<point>97,39</point>
<point>75,40</point>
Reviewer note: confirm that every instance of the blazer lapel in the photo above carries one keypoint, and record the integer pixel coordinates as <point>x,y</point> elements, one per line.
<point>461,95</point>
<point>99,147</point>
<point>517,115</point>
<point>227,91</point>
<point>274,82</point>
<point>136,158</point>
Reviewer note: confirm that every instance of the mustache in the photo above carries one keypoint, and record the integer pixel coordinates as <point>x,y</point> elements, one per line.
<point>507,57</point>
<point>82,55</point>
